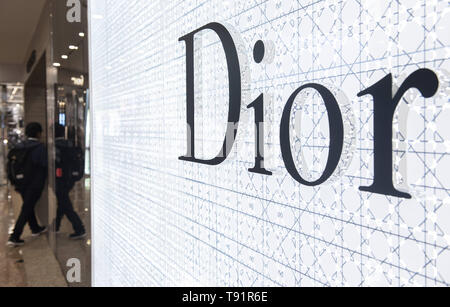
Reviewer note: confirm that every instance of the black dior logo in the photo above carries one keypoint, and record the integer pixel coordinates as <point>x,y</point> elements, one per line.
<point>385,105</point>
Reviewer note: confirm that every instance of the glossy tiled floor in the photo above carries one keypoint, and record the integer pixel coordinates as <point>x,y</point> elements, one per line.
<point>34,264</point>
<point>12,270</point>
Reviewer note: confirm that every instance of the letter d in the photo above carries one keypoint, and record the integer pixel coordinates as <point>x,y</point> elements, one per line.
<point>234,108</point>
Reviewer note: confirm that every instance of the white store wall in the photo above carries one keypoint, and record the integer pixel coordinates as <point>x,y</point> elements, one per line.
<point>159,221</point>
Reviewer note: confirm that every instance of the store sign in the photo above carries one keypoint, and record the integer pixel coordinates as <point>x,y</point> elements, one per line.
<point>316,153</point>
<point>385,105</point>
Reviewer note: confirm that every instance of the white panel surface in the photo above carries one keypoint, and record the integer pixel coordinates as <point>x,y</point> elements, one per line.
<point>159,221</point>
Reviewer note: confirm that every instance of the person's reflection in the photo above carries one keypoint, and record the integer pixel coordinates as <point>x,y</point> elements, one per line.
<point>69,166</point>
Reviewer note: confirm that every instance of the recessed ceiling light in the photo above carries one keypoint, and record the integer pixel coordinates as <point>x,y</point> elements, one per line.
<point>65,57</point>
<point>81,34</point>
<point>72,47</point>
<point>56,64</point>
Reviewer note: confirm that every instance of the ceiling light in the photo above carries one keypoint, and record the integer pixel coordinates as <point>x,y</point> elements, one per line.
<point>56,64</point>
<point>65,57</point>
<point>81,34</point>
<point>72,47</point>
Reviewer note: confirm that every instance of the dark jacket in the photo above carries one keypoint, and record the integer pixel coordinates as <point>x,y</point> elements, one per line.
<point>39,160</point>
<point>64,182</point>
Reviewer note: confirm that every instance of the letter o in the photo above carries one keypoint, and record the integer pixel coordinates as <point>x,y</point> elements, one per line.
<point>336,126</point>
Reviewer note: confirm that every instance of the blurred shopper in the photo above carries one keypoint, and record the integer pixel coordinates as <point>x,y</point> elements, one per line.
<point>27,171</point>
<point>69,166</point>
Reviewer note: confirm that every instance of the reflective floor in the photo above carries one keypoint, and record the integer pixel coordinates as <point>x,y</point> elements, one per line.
<point>32,265</point>
<point>12,271</point>
<point>36,264</point>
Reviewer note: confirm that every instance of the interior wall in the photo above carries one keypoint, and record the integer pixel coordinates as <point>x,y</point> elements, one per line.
<point>36,111</point>
<point>161,221</point>
<point>42,35</point>
<point>11,73</point>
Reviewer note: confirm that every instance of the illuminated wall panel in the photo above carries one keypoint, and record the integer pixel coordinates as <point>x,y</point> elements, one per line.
<point>159,221</point>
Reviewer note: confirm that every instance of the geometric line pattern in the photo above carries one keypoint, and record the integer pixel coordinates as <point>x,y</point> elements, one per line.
<point>159,221</point>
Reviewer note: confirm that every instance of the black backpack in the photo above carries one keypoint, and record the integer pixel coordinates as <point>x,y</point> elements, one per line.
<point>20,164</point>
<point>69,162</point>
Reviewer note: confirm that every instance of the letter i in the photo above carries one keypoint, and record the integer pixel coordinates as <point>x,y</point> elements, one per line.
<point>258,106</point>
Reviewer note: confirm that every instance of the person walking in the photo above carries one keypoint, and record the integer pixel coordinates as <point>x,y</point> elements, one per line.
<point>27,171</point>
